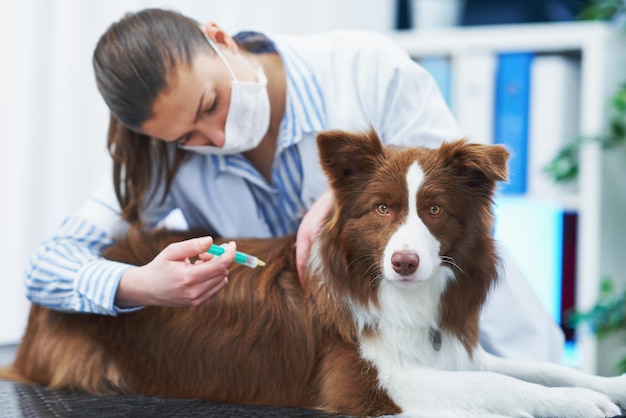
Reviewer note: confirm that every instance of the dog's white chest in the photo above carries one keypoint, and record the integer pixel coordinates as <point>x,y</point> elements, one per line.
<point>407,334</point>
<point>400,349</point>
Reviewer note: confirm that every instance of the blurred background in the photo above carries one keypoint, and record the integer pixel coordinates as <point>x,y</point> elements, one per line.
<point>53,123</point>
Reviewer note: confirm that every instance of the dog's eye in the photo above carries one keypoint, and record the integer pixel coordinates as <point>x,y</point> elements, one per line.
<point>434,210</point>
<point>382,209</point>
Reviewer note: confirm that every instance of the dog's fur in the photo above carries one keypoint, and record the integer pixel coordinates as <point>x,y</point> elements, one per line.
<point>405,256</point>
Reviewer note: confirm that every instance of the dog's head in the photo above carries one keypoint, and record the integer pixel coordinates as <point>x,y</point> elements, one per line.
<point>404,215</point>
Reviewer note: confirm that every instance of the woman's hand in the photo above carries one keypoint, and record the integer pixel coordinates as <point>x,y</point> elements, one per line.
<point>172,280</point>
<point>309,229</point>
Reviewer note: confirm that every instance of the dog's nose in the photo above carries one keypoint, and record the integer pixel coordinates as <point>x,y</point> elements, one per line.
<point>405,262</point>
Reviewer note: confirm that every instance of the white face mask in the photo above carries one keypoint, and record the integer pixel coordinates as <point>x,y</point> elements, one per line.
<point>248,116</point>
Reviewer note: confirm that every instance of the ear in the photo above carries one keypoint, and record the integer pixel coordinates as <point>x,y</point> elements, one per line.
<point>221,38</point>
<point>349,157</point>
<point>477,162</point>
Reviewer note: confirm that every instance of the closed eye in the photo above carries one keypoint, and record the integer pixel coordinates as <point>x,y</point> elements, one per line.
<point>212,108</point>
<point>185,138</point>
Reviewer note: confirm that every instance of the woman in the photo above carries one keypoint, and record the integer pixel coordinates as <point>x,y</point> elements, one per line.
<point>223,130</point>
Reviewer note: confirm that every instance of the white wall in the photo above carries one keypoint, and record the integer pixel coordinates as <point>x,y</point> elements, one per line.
<point>53,122</point>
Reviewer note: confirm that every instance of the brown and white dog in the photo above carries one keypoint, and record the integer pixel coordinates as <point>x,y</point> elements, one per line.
<point>385,323</point>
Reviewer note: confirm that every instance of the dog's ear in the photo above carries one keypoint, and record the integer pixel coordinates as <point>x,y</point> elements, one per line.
<point>348,157</point>
<point>477,162</point>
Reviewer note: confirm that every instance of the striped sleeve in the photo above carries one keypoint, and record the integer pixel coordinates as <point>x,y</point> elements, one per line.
<point>67,272</point>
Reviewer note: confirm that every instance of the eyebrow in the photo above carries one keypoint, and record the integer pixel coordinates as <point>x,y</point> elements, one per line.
<point>198,112</point>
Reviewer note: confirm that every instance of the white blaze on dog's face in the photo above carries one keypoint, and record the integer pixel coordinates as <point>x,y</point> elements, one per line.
<point>403,216</point>
<point>412,253</point>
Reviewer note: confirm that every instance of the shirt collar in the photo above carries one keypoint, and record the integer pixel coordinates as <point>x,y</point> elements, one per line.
<point>305,111</point>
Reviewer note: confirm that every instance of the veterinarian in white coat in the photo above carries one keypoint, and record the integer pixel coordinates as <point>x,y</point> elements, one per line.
<point>224,132</point>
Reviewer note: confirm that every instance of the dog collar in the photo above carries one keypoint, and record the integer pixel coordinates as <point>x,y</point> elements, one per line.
<point>435,338</point>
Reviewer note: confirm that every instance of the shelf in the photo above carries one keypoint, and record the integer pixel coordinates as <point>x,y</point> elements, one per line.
<point>563,36</point>
<point>599,196</point>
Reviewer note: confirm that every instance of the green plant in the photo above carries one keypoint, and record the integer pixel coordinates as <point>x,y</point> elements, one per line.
<point>606,317</point>
<point>564,166</point>
<point>602,9</point>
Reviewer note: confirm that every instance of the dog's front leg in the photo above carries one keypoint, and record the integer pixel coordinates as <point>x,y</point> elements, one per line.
<point>553,375</point>
<point>432,392</point>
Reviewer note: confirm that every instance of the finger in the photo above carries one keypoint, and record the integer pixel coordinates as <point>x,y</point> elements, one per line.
<point>185,249</point>
<point>205,256</point>
<point>217,288</point>
<point>214,287</point>
<point>228,257</point>
<point>202,271</point>
<point>302,249</point>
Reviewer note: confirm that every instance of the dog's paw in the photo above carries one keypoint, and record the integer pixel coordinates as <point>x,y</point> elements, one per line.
<point>615,388</point>
<point>577,403</point>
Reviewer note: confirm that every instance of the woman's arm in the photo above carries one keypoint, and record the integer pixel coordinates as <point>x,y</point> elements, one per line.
<point>67,272</point>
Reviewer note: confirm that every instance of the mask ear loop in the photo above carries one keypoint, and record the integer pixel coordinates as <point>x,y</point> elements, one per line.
<point>259,74</point>
<point>228,67</point>
<point>219,54</point>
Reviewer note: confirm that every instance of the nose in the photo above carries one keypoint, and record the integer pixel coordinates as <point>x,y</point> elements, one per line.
<point>405,262</point>
<point>206,133</point>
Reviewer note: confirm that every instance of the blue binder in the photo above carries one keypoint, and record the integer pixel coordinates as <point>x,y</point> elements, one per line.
<point>511,115</point>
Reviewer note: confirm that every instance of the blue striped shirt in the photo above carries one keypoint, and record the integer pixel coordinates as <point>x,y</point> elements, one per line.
<point>67,273</point>
<point>280,203</point>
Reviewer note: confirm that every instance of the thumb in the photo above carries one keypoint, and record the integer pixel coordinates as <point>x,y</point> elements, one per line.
<point>188,248</point>
<point>302,252</point>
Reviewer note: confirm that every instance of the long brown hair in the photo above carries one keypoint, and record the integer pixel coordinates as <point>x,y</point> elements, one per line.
<point>133,61</point>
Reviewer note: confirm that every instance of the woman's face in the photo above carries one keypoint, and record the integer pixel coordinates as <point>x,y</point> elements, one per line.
<point>193,108</point>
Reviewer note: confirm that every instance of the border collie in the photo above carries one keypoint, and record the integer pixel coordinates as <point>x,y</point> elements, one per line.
<point>385,322</point>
